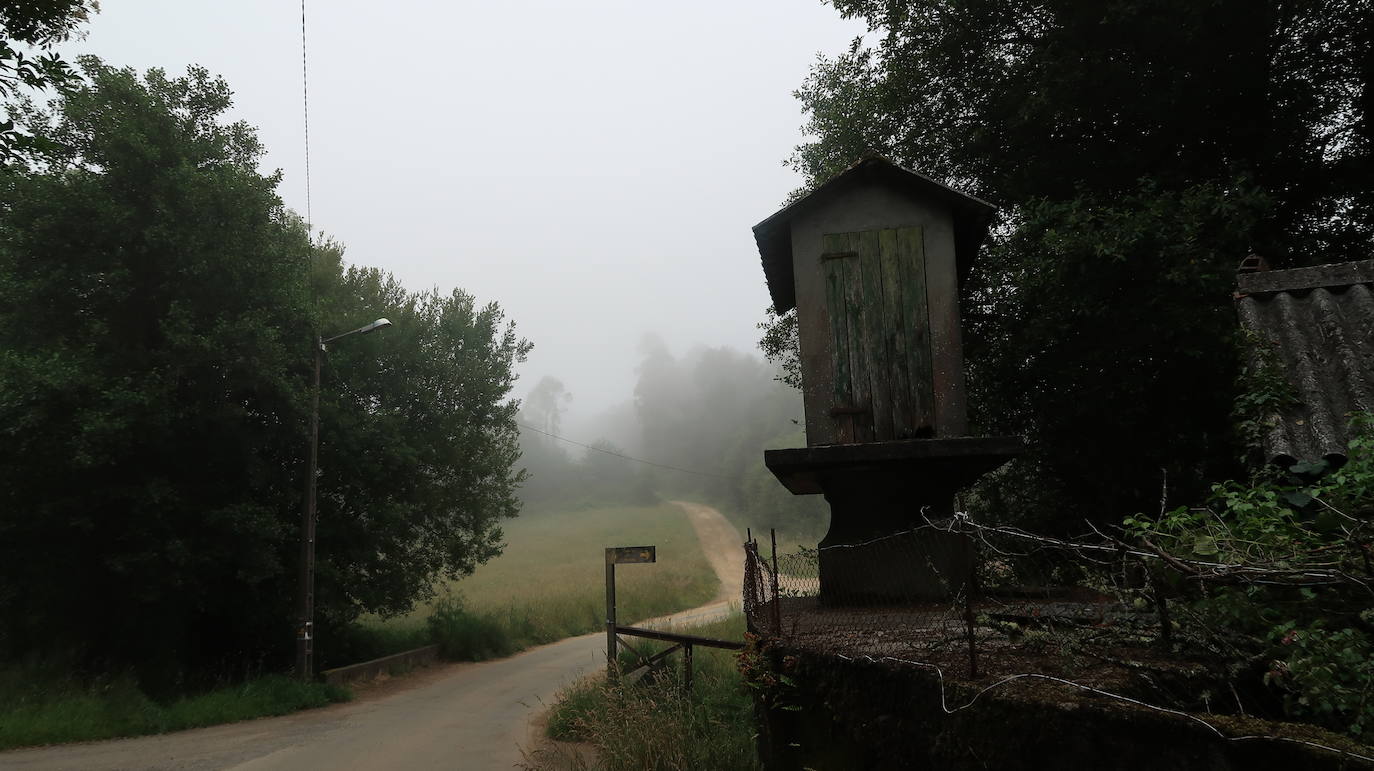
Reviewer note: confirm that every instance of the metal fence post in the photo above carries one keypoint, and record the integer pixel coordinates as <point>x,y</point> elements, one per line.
<point>970,588</point>
<point>777,601</point>
<point>687,666</point>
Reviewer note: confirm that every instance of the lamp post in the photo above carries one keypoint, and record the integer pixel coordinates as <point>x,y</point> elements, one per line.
<point>305,629</point>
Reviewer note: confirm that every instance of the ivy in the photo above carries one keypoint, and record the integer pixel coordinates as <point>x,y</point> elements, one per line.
<point>1264,394</point>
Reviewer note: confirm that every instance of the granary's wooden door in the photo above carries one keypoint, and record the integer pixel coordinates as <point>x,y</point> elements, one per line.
<point>875,284</point>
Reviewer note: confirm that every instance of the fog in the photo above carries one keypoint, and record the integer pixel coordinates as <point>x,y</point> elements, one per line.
<point>696,428</point>
<point>593,167</point>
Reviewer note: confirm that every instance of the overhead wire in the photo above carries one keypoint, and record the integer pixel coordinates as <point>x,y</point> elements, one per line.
<point>305,103</point>
<point>305,100</point>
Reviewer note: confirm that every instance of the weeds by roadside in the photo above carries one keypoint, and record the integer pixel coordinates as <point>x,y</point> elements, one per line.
<point>657,725</point>
<point>38,708</point>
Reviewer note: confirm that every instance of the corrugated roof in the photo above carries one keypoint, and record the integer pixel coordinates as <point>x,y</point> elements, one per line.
<point>1320,321</point>
<point>972,216</point>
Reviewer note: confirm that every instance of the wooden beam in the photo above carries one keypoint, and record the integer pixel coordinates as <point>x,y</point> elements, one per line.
<point>654,634</point>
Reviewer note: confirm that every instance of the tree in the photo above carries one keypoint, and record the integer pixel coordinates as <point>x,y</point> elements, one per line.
<point>546,402</point>
<point>156,319</point>
<point>781,345</point>
<point>712,412</point>
<point>418,443</point>
<point>1138,150</point>
<point>40,24</point>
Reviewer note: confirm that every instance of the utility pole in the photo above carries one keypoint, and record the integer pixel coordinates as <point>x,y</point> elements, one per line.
<point>305,600</point>
<point>305,597</point>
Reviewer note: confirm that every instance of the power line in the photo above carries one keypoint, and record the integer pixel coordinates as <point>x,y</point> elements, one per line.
<point>305,99</point>
<point>620,455</point>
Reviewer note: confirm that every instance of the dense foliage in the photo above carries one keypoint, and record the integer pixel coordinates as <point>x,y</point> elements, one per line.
<point>419,451</point>
<point>1137,151</point>
<point>157,306</point>
<point>781,345</point>
<point>1305,612</point>
<point>40,24</point>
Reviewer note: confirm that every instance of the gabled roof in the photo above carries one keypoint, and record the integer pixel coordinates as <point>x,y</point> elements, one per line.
<point>972,217</point>
<point>1320,322</point>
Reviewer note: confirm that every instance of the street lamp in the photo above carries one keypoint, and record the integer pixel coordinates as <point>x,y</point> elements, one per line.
<point>305,629</point>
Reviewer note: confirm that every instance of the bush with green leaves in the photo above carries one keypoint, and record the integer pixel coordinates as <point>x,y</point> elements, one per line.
<point>1281,571</point>
<point>1327,675</point>
<point>466,636</point>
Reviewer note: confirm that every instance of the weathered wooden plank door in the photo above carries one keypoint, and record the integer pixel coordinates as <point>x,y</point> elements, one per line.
<point>875,285</point>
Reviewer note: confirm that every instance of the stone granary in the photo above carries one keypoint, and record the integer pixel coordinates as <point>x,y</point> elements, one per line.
<point>872,261</point>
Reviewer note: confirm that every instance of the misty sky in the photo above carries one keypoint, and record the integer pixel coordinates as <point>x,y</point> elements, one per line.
<point>594,167</point>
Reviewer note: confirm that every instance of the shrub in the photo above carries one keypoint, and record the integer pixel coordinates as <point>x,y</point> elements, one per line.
<point>1303,539</point>
<point>466,636</point>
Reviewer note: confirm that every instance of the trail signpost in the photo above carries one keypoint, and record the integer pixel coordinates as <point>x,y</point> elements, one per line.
<point>620,555</point>
<point>625,555</point>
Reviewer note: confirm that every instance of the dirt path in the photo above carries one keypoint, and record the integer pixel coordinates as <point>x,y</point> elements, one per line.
<point>723,547</point>
<point>455,716</point>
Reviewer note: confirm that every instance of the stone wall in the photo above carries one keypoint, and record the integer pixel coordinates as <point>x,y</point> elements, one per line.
<point>830,714</point>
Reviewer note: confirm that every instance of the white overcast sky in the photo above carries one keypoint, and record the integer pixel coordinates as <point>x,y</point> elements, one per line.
<point>595,167</point>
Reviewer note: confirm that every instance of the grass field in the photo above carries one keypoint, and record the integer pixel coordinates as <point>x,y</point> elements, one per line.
<point>550,582</point>
<point>658,726</point>
<point>39,707</point>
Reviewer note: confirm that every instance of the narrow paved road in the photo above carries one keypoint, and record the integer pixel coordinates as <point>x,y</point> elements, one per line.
<point>456,716</point>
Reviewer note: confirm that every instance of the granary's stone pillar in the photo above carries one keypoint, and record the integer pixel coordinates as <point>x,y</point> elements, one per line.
<point>878,494</point>
<point>872,261</point>
<point>871,510</point>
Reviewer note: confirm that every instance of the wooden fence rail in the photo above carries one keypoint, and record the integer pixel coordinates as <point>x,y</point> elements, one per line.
<point>685,642</point>
<point>621,555</point>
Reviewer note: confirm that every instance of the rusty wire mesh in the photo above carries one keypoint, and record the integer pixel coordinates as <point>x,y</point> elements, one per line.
<point>998,607</point>
<point>974,601</point>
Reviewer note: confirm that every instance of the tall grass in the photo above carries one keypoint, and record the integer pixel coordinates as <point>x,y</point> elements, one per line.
<point>657,725</point>
<point>39,706</point>
<point>550,582</point>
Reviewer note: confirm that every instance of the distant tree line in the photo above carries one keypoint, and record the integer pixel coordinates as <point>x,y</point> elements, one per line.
<point>566,473</point>
<point>708,414</point>
<point>158,306</point>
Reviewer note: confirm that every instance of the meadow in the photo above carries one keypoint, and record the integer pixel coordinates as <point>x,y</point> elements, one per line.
<point>550,583</point>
